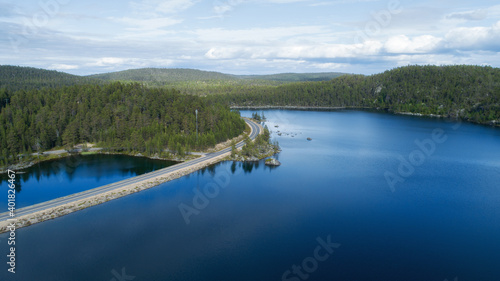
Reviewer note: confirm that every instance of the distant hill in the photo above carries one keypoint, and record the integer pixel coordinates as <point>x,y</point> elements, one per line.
<point>13,78</point>
<point>173,75</point>
<point>295,77</point>
<point>192,81</point>
<point>164,75</point>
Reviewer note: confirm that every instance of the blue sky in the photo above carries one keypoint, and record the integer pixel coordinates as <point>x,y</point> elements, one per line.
<point>248,36</point>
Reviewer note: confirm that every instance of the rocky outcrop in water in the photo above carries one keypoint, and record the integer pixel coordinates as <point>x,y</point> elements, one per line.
<point>272,162</point>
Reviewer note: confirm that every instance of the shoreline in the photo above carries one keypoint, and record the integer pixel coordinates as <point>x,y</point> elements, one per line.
<point>293,107</point>
<point>100,150</point>
<point>67,208</point>
<point>494,123</point>
<point>25,165</point>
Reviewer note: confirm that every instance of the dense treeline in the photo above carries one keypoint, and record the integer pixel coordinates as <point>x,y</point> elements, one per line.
<point>41,109</point>
<point>119,116</point>
<point>13,78</point>
<point>468,92</point>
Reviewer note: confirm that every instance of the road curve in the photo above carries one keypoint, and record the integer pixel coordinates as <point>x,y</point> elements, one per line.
<point>121,184</point>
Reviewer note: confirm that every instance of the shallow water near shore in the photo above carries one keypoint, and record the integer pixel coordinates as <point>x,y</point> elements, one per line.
<point>253,222</point>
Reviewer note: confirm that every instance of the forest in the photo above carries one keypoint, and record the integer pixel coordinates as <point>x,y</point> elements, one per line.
<point>198,82</point>
<point>117,116</point>
<point>153,109</point>
<point>13,78</point>
<point>172,75</point>
<point>467,92</point>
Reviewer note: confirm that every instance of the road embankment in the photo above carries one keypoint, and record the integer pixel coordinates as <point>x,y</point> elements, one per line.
<point>64,209</point>
<point>66,205</point>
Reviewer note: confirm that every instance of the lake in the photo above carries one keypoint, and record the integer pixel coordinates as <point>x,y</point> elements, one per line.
<point>57,178</point>
<point>373,196</point>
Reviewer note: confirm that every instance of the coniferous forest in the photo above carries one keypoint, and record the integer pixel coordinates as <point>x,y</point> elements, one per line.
<point>124,117</point>
<point>41,109</point>
<point>470,93</point>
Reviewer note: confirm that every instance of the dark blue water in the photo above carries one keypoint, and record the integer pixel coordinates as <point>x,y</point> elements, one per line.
<point>439,221</point>
<point>52,179</point>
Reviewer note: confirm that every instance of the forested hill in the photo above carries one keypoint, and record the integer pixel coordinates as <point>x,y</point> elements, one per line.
<point>119,116</point>
<point>189,81</point>
<point>173,75</point>
<point>13,78</point>
<point>468,92</point>
<point>164,75</point>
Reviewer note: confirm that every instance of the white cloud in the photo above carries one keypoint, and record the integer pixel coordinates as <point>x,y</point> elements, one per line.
<point>260,37</point>
<point>474,38</point>
<point>107,61</point>
<point>297,51</point>
<point>469,15</point>
<point>256,35</point>
<point>328,3</point>
<point>162,6</point>
<point>327,65</point>
<point>286,1</point>
<point>420,44</point>
<point>223,53</point>
<point>331,50</point>
<point>222,7</point>
<point>138,24</point>
<point>462,39</point>
<point>58,66</point>
<point>122,63</point>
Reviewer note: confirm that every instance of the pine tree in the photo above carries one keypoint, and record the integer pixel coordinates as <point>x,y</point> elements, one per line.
<point>233,149</point>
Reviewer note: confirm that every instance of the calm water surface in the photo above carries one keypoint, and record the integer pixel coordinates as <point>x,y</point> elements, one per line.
<point>439,221</point>
<point>52,179</point>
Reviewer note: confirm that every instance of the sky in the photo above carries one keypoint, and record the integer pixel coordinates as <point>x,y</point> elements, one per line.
<point>248,36</point>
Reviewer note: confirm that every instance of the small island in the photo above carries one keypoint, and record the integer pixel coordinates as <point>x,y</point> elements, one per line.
<point>273,162</point>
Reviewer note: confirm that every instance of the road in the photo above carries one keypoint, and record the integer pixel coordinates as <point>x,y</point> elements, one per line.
<point>61,151</point>
<point>117,185</point>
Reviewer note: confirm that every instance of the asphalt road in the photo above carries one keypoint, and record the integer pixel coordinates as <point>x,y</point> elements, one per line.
<point>117,185</point>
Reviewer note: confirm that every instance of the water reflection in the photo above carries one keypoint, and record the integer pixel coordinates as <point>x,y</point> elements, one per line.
<point>247,167</point>
<point>270,221</point>
<point>73,167</point>
<point>233,167</point>
<point>51,179</point>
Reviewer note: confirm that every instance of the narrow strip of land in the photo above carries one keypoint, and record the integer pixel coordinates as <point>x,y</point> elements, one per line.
<point>64,205</point>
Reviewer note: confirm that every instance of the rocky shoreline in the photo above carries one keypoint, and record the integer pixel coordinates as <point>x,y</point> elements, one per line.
<point>420,114</point>
<point>273,162</point>
<point>17,167</point>
<point>240,158</point>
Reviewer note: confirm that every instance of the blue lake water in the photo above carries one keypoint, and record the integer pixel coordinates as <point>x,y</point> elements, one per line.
<point>436,218</point>
<point>57,178</point>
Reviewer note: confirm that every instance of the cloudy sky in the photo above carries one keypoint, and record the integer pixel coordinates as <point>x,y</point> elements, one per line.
<point>248,36</point>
